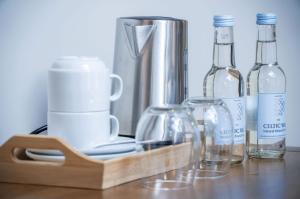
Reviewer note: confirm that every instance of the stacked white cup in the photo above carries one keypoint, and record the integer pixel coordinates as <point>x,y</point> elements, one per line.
<point>78,101</point>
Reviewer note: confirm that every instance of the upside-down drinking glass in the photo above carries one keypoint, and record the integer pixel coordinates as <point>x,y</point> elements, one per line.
<point>171,142</point>
<point>215,124</point>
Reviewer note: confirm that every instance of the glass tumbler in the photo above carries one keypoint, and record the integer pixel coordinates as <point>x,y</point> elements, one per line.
<point>171,142</point>
<point>216,126</point>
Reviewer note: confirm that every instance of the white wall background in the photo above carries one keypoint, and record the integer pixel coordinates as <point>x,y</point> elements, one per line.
<point>35,32</point>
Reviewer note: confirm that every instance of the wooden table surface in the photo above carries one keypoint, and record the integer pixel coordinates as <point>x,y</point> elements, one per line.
<point>254,179</point>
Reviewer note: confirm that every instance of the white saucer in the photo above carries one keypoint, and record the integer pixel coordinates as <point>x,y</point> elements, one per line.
<point>55,158</point>
<point>120,145</point>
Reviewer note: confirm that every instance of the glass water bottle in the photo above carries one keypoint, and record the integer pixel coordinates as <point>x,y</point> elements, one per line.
<point>226,82</point>
<point>266,88</point>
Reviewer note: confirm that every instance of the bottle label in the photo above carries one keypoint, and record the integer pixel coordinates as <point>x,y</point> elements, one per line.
<point>271,115</point>
<point>223,132</point>
<point>223,136</point>
<point>236,107</point>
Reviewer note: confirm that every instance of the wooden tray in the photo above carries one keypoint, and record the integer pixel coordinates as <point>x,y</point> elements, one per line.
<point>78,170</point>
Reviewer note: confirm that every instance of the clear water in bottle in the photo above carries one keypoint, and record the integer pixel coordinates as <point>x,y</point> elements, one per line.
<point>266,88</point>
<point>224,81</point>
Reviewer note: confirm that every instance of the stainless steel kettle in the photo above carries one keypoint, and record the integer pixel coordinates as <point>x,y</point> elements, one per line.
<point>151,58</point>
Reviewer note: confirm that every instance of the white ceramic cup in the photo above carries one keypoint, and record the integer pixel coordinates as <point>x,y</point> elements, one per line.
<point>83,130</point>
<point>81,84</point>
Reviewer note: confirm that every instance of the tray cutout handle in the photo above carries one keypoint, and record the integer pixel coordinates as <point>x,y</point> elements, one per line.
<point>72,157</point>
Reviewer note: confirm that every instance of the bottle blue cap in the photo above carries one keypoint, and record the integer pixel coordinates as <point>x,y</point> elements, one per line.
<point>223,20</point>
<point>266,18</point>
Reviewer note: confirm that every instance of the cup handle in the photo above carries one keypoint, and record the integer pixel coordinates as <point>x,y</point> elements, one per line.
<point>114,127</point>
<point>119,88</point>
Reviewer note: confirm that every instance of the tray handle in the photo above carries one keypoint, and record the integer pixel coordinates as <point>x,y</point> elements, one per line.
<point>72,157</point>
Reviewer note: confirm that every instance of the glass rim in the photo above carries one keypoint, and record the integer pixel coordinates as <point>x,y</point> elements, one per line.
<point>182,184</point>
<point>213,174</point>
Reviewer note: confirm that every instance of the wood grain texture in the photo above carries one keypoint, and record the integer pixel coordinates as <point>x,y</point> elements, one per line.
<point>79,170</point>
<point>274,179</point>
<point>75,166</point>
